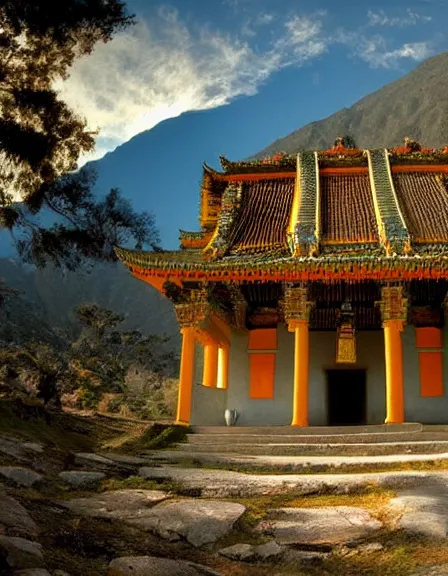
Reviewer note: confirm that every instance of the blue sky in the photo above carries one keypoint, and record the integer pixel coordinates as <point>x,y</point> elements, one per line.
<point>309,58</point>
<point>247,72</point>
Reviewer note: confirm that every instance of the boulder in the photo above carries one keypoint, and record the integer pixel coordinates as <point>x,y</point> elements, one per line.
<point>33,572</point>
<point>269,550</point>
<point>21,476</point>
<point>150,565</point>
<point>20,553</point>
<point>120,504</point>
<point>424,511</point>
<point>198,521</point>
<point>90,460</point>
<point>80,478</point>
<point>327,525</point>
<point>305,557</point>
<point>240,552</point>
<point>15,519</point>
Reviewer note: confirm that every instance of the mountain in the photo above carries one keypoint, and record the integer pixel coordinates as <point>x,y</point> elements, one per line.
<point>416,105</point>
<point>160,170</point>
<point>48,297</point>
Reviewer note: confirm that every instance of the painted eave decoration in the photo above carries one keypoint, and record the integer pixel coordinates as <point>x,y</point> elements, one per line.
<point>338,214</point>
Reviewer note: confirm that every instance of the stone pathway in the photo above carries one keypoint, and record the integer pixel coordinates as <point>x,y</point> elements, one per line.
<point>228,484</point>
<point>424,509</point>
<point>312,464</point>
<point>198,521</point>
<point>334,526</point>
<point>421,507</point>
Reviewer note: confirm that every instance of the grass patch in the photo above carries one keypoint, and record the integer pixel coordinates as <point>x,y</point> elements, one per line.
<point>157,436</point>
<point>275,470</point>
<point>374,498</point>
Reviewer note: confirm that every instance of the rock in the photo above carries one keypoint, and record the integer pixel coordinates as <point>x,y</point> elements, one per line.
<point>15,518</point>
<point>120,504</point>
<point>20,553</point>
<point>35,572</point>
<point>13,448</point>
<point>78,479</point>
<point>371,547</point>
<point>441,570</point>
<point>34,447</point>
<point>424,510</point>
<point>98,462</point>
<point>145,565</point>
<point>326,525</point>
<point>198,521</point>
<point>127,460</point>
<point>21,476</point>
<point>241,552</point>
<point>268,550</point>
<point>60,573</point>
<point>306,557</point>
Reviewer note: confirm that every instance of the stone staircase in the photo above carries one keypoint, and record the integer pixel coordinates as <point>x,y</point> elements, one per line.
<point>353,441</point>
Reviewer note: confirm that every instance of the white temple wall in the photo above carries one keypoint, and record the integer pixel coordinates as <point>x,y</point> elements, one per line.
<point>209,404</point>
<point>427,410</point>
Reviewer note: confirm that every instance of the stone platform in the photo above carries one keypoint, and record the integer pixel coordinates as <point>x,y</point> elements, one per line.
<point>364,441</point>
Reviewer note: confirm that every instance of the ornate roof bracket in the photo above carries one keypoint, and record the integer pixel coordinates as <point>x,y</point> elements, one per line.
<point>239,306</point>
<point>392,229</point>
<point>296,306</point>
<point>230,204</point>
<point>393,304</point>
<point>304,228</point>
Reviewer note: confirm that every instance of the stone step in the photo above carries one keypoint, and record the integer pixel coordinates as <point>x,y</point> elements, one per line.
<point>406,428</point>
<point>245,438</point>
<point>278,464</point>
<point>322,449</point>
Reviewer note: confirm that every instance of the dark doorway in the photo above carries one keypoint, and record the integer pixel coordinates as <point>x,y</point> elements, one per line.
<point>346,397</point>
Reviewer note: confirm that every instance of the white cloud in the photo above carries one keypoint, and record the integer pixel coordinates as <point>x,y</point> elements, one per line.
<point>149,74</point>
<point>374,49</point>
<point>409,18</point>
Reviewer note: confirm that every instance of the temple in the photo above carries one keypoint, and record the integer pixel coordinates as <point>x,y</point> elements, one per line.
<point>315,291</point>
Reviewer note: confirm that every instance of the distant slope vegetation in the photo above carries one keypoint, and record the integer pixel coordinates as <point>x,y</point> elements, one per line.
<point>48,297</point>
<point>416,105</point>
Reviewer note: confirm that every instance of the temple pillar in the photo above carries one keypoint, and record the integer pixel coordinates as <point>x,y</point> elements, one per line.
<point>210,374</point>
<point>186,377</point>
<point>301,370</point>
<point>223,367</point>
<point>394,312</point>
<point>394,371</point>
<point>297,310</point>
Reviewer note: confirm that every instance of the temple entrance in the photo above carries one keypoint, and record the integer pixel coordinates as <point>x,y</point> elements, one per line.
<point>346,394</point>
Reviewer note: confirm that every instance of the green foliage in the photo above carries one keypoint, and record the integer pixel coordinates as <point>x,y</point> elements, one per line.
<point>42,138</point>
<point>160,436</point>
<point>130,371</point>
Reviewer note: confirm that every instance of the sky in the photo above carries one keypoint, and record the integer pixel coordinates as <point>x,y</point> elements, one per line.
<point>293,61</point>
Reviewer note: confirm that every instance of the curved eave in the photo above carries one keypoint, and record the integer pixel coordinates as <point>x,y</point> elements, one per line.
<point>281,268</point>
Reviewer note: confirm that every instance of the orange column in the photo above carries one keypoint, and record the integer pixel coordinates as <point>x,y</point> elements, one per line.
<point>210,373</point>
<point>186,376</point>
<point>394,371</point>
<point>223,367</point>
<point>301,372</point>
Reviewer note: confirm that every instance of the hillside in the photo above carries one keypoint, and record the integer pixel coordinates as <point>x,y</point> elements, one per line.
<point>416,105</point>
<point>48,297</point>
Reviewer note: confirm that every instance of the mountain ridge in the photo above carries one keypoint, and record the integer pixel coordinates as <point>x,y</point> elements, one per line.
<point>415,105</point>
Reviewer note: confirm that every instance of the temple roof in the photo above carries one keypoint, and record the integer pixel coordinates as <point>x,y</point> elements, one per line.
<point>353,213</point>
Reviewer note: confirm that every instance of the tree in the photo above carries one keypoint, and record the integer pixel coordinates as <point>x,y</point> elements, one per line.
<point>41,139</point>
<point>103,362</point>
